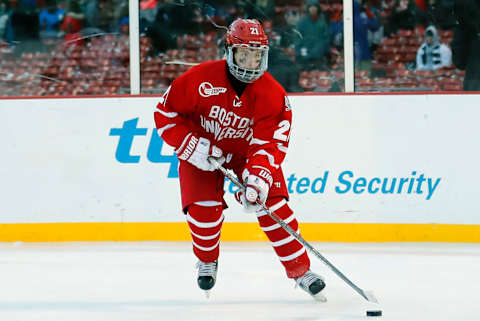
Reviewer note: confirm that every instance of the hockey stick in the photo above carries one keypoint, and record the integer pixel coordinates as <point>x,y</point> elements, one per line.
<point>367,295</point>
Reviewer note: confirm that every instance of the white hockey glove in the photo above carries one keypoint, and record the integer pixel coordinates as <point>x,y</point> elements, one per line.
<point>258,181</point>
<point>196,151</point>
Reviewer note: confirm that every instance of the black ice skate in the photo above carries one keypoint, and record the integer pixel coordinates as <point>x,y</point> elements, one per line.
<point>313,284</point>
<point>207,275</point>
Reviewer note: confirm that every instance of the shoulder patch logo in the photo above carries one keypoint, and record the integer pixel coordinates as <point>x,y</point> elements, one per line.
<point>206,89</point>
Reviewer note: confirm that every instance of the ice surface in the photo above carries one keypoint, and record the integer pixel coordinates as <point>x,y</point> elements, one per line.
<point>156,281</point>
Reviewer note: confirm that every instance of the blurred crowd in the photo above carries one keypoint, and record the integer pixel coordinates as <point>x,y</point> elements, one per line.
<point>417,42</point>
<point>34,25</point>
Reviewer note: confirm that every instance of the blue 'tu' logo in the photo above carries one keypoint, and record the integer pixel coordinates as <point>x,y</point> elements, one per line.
<point>154,153</point>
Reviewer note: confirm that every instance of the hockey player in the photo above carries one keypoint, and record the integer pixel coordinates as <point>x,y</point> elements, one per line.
<point>234,110</point>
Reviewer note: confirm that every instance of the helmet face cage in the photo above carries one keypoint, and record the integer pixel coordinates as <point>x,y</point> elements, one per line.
<point>245,74</point>
<point>249,34</point>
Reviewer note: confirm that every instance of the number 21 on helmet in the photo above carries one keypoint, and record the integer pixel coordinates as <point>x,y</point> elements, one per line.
<point>247,50</point>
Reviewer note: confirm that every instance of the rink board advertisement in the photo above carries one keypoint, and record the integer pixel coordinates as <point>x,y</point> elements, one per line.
<point>359,168</point>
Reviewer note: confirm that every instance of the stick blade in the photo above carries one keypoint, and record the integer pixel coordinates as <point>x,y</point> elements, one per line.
<point>370,296</point>
<point>320,297</point>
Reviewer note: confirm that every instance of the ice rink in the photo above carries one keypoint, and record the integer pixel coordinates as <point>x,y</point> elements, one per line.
<point>153,281</point>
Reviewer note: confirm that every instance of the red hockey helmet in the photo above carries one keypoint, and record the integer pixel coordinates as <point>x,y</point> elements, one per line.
<point>246,40</point>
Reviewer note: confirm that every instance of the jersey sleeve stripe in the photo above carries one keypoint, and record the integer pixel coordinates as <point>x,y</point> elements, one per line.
<point>258,141</point>
<point>184,141</point>
<point>168,115</point>
<point>270,157</point>
<point>164,128</point>
<point>282,148</point>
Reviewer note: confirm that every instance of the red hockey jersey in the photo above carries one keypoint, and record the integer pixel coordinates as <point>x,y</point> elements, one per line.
<point>254,126</point>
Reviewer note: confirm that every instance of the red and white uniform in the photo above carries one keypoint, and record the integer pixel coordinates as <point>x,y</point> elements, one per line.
<point>251,129</point>
<point>254,126</point>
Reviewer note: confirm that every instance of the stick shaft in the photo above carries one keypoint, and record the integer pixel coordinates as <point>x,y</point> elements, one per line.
<point>286,227</point>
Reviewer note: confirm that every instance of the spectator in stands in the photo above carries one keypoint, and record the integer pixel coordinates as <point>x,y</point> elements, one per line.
<point>73,22</point>
<point>433,54</point>
<point>283,69</point>
<point>50,19</point>
<point>421,4</point>
<point>405,15</point>
<point>440,14</point>
<point>106,14</point>
<point>260,9</point>
<point>185,19</point>
<point>336,29</point>
<point>91,14</point>
<point>147,13</point>
<point>159,32</point>
<point>180,19</point>
<point>124,26</point>
<point>466,42</point>
<point>121,17</point>
<point>239,10</point>
<point>23,27</point>
<point>375,37</point>
<point>363,21</point>
<point>313,49</point>
<point>288,32</point>
<point>3,19</point>
<point>171,21</point>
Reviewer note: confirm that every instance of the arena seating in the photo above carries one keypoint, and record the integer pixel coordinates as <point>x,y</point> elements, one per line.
<point>100,65</point>
<point>392,68</point>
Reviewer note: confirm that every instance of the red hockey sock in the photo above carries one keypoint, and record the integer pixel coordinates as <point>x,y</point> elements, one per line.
<point>205,222</point>
<point>292,254</point>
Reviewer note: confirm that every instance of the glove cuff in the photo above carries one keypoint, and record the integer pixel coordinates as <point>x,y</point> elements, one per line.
<point>187,147</point>
<point>263,173</point>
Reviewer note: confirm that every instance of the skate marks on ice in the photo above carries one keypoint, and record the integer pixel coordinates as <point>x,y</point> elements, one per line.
<point>157,281</point>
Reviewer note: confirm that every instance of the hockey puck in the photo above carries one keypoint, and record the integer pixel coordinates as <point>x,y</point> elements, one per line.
<point>374,313</point>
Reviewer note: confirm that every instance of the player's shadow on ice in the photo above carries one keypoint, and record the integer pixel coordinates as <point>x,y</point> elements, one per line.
<point>118,305</point>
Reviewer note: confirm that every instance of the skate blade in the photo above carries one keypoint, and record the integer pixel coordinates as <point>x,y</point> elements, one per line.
<point>207,294</point>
